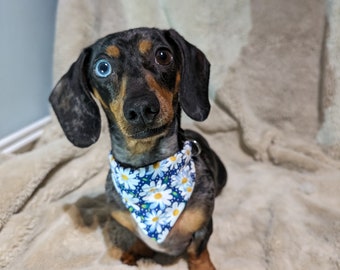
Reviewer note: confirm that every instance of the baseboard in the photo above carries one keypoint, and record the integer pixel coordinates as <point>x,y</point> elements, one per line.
<point>23,138</point>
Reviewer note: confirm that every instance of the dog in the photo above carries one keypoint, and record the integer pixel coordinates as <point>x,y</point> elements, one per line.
<point>163,180</point>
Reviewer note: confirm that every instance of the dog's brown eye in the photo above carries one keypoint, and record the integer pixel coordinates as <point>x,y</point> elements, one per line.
<point>163,57</point>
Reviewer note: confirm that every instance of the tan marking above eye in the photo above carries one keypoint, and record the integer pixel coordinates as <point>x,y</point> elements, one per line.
<point>144,46</point>
<point>113,51</point>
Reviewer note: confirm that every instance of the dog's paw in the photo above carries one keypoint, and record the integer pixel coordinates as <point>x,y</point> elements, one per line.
<point>201,262</point>
<point>128,258</point>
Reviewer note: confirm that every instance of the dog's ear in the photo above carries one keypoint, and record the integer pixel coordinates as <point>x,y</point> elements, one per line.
<point>194,97</point>
<point>76,110</point>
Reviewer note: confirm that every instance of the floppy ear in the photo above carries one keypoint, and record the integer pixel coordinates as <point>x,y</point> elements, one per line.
<point>76,110</point>
<point>194,97</point>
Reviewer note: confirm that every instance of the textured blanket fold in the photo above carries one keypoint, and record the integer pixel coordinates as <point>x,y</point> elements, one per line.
<point>274,122</point>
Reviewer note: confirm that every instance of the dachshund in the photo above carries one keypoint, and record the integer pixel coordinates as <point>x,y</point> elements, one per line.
<point>163,180</point>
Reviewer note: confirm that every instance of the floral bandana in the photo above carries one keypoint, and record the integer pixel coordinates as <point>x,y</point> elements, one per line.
<point>156,194</point>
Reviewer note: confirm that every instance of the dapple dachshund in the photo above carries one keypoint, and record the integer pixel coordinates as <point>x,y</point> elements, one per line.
<point>163,180</point>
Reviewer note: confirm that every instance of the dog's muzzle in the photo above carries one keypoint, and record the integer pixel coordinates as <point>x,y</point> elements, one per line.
<point>141,111</point>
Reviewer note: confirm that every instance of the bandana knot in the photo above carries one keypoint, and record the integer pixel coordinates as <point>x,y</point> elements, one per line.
<point>156,194</point>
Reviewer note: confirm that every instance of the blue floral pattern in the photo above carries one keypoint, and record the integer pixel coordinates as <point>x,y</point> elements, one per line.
<point>156,194</point>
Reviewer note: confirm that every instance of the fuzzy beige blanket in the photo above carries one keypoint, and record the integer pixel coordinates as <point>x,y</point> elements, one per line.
<point>275,122</point>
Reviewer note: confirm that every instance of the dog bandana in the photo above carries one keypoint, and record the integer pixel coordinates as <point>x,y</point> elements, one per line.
<point>156,194</point>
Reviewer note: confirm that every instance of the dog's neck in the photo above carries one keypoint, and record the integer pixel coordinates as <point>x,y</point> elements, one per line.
<point>139,153</point>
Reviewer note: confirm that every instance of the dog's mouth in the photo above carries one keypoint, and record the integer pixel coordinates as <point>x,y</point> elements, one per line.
<point>149,132</point>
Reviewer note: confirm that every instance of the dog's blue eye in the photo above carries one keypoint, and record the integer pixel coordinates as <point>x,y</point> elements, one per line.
<point>102,68</point>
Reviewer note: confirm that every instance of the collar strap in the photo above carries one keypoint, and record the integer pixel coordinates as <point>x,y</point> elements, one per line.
<point>156,194</point>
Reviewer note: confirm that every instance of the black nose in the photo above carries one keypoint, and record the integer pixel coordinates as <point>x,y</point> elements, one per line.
<point>142,110</point>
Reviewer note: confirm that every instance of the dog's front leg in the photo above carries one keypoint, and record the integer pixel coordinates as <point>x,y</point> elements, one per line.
<point>198,254</point>
<point>201,262</point>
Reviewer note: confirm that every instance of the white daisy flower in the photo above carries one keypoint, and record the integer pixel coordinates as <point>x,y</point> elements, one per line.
<point>148,189</point>
<point>184,183</point>
<point>188,191</point>
<point>163,235</point>
<point>130,200</point>
<point>173,212</point>
<point>157,169</point>
<point>181,180</point>
<point>172,162</point>
<point>154,220</point>
<point>127,178</point>
<point>187,152</point>
<point>142,171</point>
<point>160,197</point>
<point>113,163</point>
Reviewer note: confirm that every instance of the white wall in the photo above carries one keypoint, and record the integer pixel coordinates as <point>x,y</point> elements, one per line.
<point>26,49</point>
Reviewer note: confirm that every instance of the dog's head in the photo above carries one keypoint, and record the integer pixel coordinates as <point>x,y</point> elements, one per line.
<point>139,76</point>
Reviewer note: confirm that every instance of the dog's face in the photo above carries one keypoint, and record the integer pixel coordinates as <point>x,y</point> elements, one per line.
<point>140,77</point>
<point>136,79</point>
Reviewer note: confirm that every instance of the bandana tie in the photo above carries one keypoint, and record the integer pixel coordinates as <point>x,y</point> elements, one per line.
<point>156,194</point>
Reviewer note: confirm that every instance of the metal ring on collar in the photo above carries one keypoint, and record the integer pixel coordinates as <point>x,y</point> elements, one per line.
<point>196,148</point>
